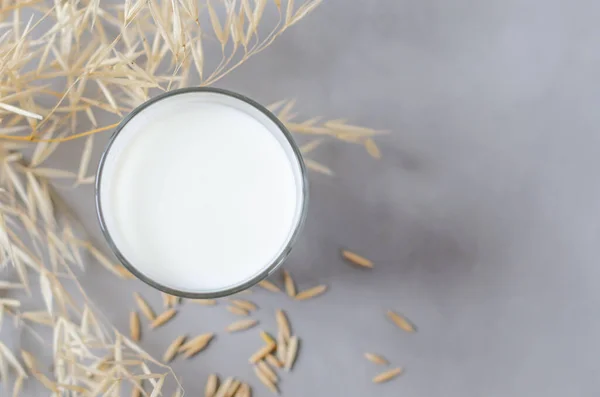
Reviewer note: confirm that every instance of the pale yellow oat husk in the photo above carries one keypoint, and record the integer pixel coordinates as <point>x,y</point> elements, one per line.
<point>173,348</point>
<point>401,322</point>
<point>291,353</point>
<point>244,304</point>
<point>273,361</point>
<point>266,381</point>
<point>212,383</point>
<point>311,292</point>
<point>290,285</point>
<point>269,286</point>
<point>268,371</point>
<point>376,359</point>
<point>241,325</point>
<point>200,340</point>
<point>144,307</point>
<point>237,310</point>
<point>262,352</point>
<point>134,326</point>
<point>387,375</point>
<point>265,336</point>
<point>357,259</point>
<point>283,324</point>
<point>205,302</point>
<point>163,318</point>
<point>222,390</point>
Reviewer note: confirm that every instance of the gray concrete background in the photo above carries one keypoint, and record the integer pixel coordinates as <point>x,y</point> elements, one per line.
<point>482,217</point>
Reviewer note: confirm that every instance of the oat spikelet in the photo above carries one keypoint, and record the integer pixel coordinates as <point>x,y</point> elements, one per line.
<point>134,326</point>
<point>400,321</point>
<point>268,371</point>
<point>241,325</point>
<point>311,292</point>
<point>173,349</point>
<point>376,359</point>
<point>237,310</point>
<point>269,286</point>
<point>244,304</point>
<point>211,385</point>
<point>288,282</point>
<point>283,323</point>
<point>144,307</point>
<point>265,380</point>
<point>291,353</point>
<point>387,375</point>
<point>357,259</point>
<point>162,318</point>
<point>262,353</point>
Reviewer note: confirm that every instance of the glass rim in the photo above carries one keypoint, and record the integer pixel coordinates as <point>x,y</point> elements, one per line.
<point>268,269</point>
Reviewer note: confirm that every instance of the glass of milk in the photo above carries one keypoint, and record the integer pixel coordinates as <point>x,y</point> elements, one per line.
<point>201,192</point>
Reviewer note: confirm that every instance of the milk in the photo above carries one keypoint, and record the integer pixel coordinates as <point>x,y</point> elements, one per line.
<point>200,192</point>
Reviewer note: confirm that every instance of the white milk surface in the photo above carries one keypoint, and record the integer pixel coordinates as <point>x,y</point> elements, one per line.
<point>200,192</point>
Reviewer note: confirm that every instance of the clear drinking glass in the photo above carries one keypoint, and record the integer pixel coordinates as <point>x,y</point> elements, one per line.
<point>279,132</point>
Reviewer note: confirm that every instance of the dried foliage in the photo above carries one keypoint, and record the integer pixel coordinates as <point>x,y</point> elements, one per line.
<point>63,64</point>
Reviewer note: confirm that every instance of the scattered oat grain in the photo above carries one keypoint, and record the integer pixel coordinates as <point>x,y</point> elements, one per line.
<point>387,375</point>
<point>205,302</point>
<point>134,326</point>
<point>357,259</point>
<point>235,385</point>
<point>199,340</point>
<point>144,307</point>
<point>244,304</point>
<point>288,282</point>
<point>269,286</point>
<point>311,292</point>
<point>291,353</point>
<point>266,337</point>
<point>162,318</point>
<point>237,310</point>
<point>268,371</point>
<point>241,325</point>
<point>211,385</point>
<point>265,380</point>
<point>376,359</point>
<point>273,361</point>
<point>283,323</point>
<point>173,348</point>
<point>262,352</point>
<point>400,321</point>
<point>222,391</point>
